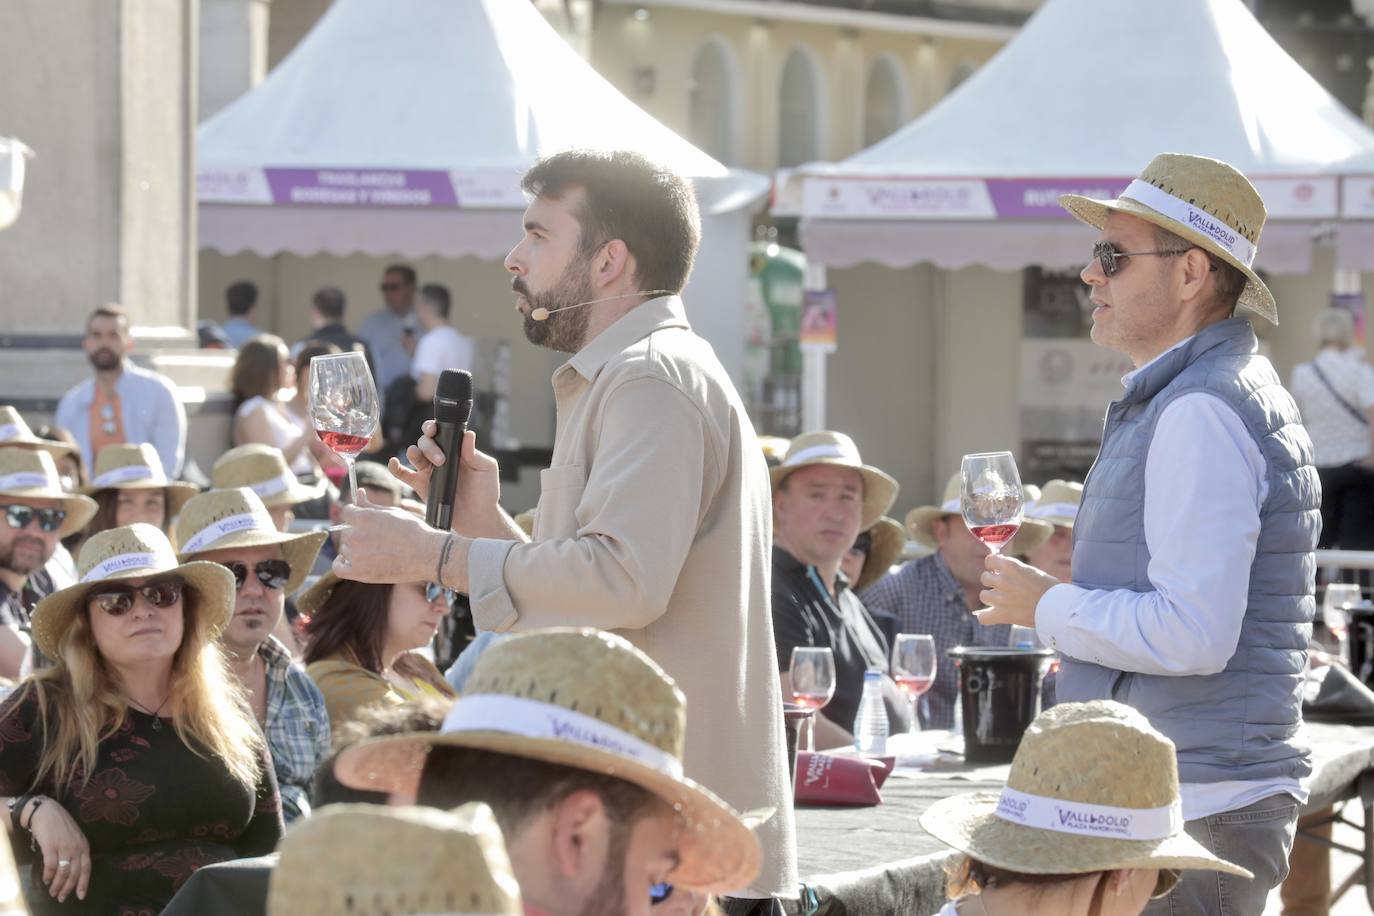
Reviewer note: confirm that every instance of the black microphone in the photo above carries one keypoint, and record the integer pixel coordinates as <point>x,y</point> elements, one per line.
<point>452,408</point>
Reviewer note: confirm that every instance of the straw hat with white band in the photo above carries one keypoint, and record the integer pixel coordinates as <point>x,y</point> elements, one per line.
<point>133,552</point>
<point>263,469</point>
<point>15,432</point>
<point>224,519</point>
<point>1204,201</point>
<point>1093,787</point>
<point>396,861</point>
<point>27,473</point>
<point>137,467</point>
<point>837,449</point>
<point>888,541</point>
<point>919,521</point>
<point>1058,503</point>
<point>584,699</point>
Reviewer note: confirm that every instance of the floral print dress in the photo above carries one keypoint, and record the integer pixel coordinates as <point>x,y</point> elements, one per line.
<point>153,811</point>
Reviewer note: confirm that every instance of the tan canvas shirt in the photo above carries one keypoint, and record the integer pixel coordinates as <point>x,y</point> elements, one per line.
<point>655,521</point>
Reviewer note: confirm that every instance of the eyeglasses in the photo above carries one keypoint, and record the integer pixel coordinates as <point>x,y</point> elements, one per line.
<point>118,600</point>
<point>1167,881</point>
<point>433,590</point>
<point>1107,256</point>
<point>48,519</point>
<point>273,574</point>
<point>659,893</point>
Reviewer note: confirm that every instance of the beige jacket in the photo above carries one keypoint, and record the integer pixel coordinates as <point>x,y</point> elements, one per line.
<point>655,521</point>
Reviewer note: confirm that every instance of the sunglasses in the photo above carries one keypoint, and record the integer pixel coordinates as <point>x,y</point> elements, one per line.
<point>48,519</point>
<point>433,590</point>
<point>118,600</point>
<point>659,893</point>
<point>392,287</point>
<point>1167,881</point>
<point>1108,257</point>
<point>273,574</point>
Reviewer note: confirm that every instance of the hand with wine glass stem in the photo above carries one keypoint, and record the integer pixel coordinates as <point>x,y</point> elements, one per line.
<point>813,682</point>
<point>343,406</point>
<point>913,668</point>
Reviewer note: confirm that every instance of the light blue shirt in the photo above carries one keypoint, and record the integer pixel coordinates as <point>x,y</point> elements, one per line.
<point>383,330</point>
<point>150,410</point>
<point>239,330</point>
<point>461,669</point>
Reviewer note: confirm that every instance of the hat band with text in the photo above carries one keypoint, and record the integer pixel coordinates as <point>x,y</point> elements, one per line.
<point>274,486</point>
<point>222,528</point>
<point>528,718</point>
<point>127,474</point>
<point>812,452</point>
<point>1180,211</point>
<point>121,563</point>
<point>26,480</point>
<point>1084,819</point>
<point>1053,510</point>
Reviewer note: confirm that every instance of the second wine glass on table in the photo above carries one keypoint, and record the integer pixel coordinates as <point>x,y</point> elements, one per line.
<point>813,682</point>
<point>913,668</point>
<point>343,406</point>
<point>991,498</point>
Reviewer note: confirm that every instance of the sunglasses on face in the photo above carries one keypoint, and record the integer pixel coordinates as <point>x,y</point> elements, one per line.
<point>1167,881</point>
<point>118,600</point>
<point>433,591</point>
<point>48,519</point>
<point>1109,259</point>
<point>273,574</point>
<point>659,893</point>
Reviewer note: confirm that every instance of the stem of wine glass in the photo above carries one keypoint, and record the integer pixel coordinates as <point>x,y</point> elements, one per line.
<point>352,481</point>
<point>915,715</point>
<point>811,732</point>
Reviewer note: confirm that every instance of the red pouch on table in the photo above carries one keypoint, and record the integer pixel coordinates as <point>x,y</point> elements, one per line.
<point>823,779</point>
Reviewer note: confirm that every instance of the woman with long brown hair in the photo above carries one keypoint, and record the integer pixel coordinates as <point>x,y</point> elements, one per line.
<point>361,640</point>
<point>133,760</point>
<point>261,372</point>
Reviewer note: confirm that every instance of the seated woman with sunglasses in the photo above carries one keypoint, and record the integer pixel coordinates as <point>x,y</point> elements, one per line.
<point>360,642</point>
<point>133,761</point>
<point>129,485</point>
<point>1089,823</point>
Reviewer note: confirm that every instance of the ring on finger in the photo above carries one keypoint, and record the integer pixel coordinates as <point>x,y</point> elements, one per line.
<point>64,863</point>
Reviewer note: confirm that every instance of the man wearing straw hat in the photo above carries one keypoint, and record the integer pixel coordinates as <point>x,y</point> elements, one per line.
<point>38,513</point>
<point>653,519</point>
<point>1192,593</point>
<point>1057,506</point>
<point>233,528</point>
<point>574,738</point>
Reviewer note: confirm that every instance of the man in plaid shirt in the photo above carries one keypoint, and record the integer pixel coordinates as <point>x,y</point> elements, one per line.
<point>939,593</point>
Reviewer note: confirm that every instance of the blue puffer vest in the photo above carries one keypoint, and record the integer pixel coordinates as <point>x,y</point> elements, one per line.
<point>1240,723</point>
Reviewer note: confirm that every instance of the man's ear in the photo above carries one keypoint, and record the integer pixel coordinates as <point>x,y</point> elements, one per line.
<point>614,262</point>
<point>580,838</point>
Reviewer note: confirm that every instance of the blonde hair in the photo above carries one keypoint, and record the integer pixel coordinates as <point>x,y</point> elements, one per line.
<point>1334,328</point>
<point>80,704</point>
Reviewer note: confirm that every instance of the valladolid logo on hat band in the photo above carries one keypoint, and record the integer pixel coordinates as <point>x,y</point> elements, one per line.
<point>1181,211</point>
<point>274,486</point>
<point>217,530</point>
<point>128,474</point>
<point>535,719</point>
<point>23,480</point>
<point>1084,819</point>
<point>121,563</point>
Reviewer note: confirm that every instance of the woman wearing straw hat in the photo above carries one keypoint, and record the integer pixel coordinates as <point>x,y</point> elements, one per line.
<point>132,760</point>
<point>1057,506</point>
<point>1088,824</point>
<point>361,640</point>
<point>129,485</point>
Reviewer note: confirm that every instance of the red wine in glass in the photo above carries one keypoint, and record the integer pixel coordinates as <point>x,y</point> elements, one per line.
<point>990,497</point>
<point>811,700</point>
<point>345,445</point>
<point>914,686</point>
<point>995,536</point>
<point>343,406</point>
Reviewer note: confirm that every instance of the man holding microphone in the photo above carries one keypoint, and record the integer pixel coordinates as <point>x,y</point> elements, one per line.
<point>1193,570</point>
<point>654,518</point>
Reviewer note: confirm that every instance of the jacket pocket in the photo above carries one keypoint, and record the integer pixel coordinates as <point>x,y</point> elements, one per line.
<point>560,493</point>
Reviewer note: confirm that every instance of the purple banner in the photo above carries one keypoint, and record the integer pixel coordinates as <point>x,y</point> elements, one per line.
<point>1038,198</point>
<point>362,187</point>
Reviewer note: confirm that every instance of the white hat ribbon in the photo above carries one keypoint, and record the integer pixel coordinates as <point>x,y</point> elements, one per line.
<point>220,529</point>
<point>120,563</point>
<point>1180,211</point>
<point>129,472</point>
<point>21,480</point>
<point>1084,819</point>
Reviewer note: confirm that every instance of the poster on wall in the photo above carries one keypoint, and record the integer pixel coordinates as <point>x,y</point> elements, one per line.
<point>819,327</point>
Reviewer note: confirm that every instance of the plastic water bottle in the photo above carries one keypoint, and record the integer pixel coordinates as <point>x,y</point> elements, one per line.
<point>870,728</point>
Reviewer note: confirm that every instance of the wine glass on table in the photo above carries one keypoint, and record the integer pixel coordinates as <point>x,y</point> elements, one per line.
<point>343,406</point>
<point>1339,596</point>
<point>991,498</point>
<point>813,682</point>
<point>913,668</point>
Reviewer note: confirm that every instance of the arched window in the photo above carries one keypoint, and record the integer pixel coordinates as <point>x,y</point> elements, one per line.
<point>711,102</point>
<point>884,101</point>
<point>799,111</point>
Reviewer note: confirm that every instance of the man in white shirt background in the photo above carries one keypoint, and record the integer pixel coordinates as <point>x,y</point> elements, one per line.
<point>441,346</point>
<point>1193,573</point>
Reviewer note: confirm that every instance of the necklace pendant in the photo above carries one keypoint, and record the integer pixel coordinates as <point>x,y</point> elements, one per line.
<point>157,724</point>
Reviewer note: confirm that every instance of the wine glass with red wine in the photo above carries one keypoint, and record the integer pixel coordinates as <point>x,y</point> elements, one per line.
<point>343,406</point>
<point>913,668</point>
<point>813,681</point>
<point>991,497</point>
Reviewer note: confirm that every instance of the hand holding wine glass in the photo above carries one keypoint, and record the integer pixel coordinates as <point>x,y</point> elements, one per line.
<point>913,668</point>
<point>991,498</point>
<point>343,406</point>
<point>813,681</point>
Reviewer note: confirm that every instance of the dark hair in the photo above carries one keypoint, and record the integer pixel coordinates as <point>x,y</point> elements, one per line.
<point>257,370</point>
<point>969,875</point>
<point>353,618</point>
<point>647,206</point>
<point>109,310</point>
<point>61,434</point>
<point>1230,282</point>
<point>423,714</point>
<point>241,297</point>
<point>519,788</point>
<point>437,295</point>
<point>107,511</point>
<point>329,301</point>
<point>405,270</point>
<point>309,351</point>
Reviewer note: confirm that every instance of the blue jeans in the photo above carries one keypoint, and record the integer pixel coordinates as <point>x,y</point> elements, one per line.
<point>1257,837</point>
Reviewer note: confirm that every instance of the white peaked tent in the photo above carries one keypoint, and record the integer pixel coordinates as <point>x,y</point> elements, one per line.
<point>12,156</point>
<point>401,129</point>
<point>1084,96</point>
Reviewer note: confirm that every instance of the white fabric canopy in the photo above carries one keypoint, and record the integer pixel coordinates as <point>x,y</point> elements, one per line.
<point>1085,95</point>
<point>387,123</point>
<point>12,156</point>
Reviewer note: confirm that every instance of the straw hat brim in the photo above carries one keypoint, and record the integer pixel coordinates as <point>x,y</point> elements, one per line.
<point>296,493</point>
<point>299,550</point>
<point>968,823</point>
<point>80,509</point>
<point>214,586</point>
<point>889,539</point>
<point>177,492</point>
<point>1255,298</point>
<point>317,595</point>
<point>51,446</point>
<point>880,489</point>
<point>1032,533</point>
<point>719,852</point>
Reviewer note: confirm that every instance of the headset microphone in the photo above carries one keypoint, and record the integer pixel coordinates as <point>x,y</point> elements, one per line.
<point>542,314</point>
